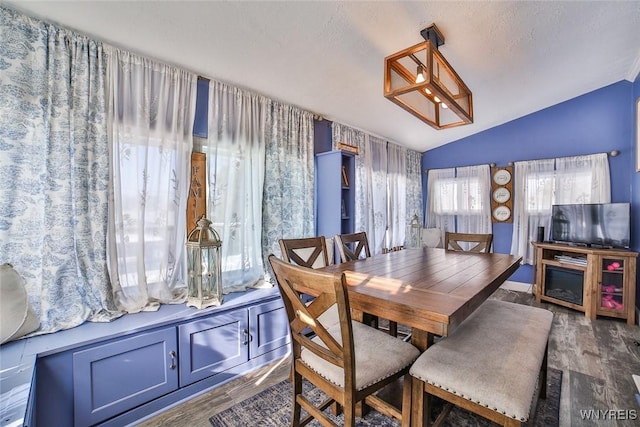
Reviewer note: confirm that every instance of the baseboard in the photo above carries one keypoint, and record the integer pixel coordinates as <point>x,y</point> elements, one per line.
<point>517,286</point>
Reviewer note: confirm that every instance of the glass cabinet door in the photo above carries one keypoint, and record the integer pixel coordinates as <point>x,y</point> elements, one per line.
<point>611,296</point>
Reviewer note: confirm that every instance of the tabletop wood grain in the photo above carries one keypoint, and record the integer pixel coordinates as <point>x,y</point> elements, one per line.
<point>429,289</point>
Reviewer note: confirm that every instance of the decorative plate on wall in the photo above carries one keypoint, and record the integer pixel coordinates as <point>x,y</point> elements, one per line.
<point>502,194</point>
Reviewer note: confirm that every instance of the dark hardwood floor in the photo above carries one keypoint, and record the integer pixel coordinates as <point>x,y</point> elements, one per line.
<point>597,359</point>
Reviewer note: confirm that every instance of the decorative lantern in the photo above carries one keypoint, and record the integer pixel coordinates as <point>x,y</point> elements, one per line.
<point>204,280</point>
<point>415,232</point>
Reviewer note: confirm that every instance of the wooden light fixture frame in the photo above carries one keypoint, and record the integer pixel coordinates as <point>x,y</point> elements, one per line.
<point>432,82</point>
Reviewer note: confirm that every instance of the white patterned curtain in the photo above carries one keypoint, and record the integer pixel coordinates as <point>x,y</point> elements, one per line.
<point>236,170</point>
<point>414,186</point>
<point>539,184</point>
<point>397,195</point>
<point>54,170</point>
<point>151,112</point>
<point>441,197</point>
<point>473,199</point>
<point>288,208</point>
<point>371,183</point>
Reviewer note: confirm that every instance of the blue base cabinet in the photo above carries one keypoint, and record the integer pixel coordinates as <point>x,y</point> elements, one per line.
<point>214,345</point>
<point>112,378</point>
<point>122,380</point>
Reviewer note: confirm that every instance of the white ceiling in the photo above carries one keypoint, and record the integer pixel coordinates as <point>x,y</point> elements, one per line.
<point>328,56</point>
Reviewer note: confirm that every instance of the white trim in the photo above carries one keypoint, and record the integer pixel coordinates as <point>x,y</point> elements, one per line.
<point>517,286</point>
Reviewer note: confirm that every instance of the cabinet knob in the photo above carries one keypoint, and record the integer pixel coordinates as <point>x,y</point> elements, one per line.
<point>172,355</point>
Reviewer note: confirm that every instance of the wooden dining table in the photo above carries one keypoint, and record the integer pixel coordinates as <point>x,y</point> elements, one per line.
<point>430,290</point>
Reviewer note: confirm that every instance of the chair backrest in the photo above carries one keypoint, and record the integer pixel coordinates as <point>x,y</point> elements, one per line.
<point>351,246</point>
<point>329,290</point>
<point>475,242</point>
<point>308,252</point>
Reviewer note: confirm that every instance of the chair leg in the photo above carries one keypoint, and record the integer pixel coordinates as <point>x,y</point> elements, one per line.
<point>393,328</point>
<point>543,375</point>
<point>297,389</point>
<point>349,410</point>
<point>406,401</point>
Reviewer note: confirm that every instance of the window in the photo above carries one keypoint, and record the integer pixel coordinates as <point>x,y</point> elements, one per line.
<point>539,184</point>
<point>458,199</point>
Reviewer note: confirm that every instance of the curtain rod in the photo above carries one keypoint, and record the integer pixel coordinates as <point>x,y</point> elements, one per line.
<point>612,153</point>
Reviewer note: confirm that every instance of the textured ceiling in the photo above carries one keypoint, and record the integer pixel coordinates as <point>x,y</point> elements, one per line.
<point>328,57</point>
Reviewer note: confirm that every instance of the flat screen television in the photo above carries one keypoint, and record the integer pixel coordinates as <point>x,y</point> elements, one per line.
<point>605,225</point>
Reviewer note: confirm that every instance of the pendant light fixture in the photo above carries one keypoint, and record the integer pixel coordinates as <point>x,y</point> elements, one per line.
<point>435,93</point>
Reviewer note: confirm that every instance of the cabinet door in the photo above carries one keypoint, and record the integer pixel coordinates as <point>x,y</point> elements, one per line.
<point>115,377</point>
<point>269,327</point>
<point>611,297</point>
<point>213,345</point>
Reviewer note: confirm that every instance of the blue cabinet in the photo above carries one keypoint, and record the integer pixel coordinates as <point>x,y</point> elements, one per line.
<point>112,378</point>
<point>216,344</point>
<point>212,345</point>
<point>148,368</point>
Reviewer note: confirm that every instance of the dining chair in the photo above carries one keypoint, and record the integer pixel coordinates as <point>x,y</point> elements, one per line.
<point>475,242</point>
<point>310,252</point>
<point>353,246</point>
<point>348,361</point>
<point>432,237</point>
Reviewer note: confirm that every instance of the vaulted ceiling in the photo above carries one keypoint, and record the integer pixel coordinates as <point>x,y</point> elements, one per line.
<point>328,56</point>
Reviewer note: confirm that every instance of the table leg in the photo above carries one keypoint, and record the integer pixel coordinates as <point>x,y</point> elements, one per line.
<point>419,417</point>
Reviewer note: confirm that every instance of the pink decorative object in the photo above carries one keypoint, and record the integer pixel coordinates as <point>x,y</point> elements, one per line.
<point>609,288</point>
<point>615,264</point>
<point>610,267</point>
<point>609,302</point>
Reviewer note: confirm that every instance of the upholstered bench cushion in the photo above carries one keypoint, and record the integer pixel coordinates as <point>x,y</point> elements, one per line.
<point>493,358</point>
<point>378,355</point>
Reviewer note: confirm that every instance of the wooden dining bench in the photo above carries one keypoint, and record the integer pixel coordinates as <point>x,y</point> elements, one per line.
<point>492,364</point>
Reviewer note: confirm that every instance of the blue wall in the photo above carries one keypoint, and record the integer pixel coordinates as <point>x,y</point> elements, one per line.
<point>599,121</point>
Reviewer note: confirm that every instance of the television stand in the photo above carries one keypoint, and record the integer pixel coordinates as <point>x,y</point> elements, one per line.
<point>596,281</point>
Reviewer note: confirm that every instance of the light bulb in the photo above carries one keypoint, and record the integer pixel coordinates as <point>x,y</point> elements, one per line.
<point>444,105</point>
<point>435,98</point>
<point>428,91</point>
<point>420,74</point>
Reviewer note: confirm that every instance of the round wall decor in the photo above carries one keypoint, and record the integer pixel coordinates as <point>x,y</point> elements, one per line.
<point>502,177</point>
<point>502,213</point>
<point>501,195</point>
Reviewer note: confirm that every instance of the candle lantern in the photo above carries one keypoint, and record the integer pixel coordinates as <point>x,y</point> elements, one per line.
<point>204,281</point>
<point>415,232</point>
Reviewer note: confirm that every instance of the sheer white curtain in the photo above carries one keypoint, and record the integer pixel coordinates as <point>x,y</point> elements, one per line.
<point>539,184</point>
<point>532,199</point>
<point>236,171</point>
<point>371,183</point>
<point>397,195</point>
<point>151,109</point>
<point>582,179</point>
<point>441,196</point>
<point>473,185</point>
